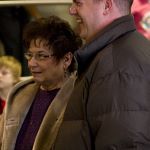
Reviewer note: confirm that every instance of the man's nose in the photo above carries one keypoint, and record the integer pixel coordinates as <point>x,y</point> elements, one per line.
<point>72,10</point>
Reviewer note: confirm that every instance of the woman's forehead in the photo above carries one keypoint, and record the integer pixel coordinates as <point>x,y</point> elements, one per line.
<point>39,45</point>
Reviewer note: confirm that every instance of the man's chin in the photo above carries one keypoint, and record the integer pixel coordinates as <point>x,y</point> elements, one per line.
<point>83,34</point>
<point>84,38</point>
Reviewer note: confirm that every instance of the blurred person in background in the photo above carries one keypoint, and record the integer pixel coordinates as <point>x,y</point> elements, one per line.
<point>12,21</point>
<point>10,72</point>
<point>141,12</point>
<point>35,107</point>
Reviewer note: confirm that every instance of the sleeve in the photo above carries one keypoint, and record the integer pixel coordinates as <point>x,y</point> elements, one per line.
<point>118,112</point>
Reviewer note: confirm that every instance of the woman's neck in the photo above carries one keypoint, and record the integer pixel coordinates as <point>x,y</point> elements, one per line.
<point>52,86</point>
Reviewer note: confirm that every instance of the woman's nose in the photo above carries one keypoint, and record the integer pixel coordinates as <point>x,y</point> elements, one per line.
<point>32,62</point>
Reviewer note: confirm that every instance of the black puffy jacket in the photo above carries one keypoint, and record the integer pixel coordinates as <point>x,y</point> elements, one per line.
<point>109,108</point>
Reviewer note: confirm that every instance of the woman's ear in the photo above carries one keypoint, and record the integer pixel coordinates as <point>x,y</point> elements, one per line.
<point>67,60</point>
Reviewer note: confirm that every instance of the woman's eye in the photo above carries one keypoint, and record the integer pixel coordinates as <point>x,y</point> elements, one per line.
<point>42,56</point>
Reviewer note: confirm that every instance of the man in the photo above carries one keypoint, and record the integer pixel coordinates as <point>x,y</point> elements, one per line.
<point>109,108</point>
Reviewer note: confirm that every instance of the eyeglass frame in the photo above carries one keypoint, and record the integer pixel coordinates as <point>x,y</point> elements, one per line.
<point>37,56</point>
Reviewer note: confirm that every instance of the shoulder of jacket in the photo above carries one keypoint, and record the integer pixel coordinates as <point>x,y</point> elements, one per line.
<point>24,83</point>
<point>20,86</point>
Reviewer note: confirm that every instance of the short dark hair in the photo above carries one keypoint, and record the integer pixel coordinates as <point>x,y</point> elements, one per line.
<point>124,5</point>
<point>130,2</point>
<point>57,33</point>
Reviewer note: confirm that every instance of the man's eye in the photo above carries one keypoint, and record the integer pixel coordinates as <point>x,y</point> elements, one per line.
<point>78,3</point>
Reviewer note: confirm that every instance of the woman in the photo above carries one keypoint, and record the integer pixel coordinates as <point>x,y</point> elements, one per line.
<point>35,107</point>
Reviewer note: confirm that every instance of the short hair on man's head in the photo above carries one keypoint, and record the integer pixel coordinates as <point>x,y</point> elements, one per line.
<point>124,5</point>
<point>130,2</point>
<point>13,64</point>
<point>57,33</point>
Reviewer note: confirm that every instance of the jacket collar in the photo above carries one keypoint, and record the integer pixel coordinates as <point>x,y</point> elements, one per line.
<point>117,28</point>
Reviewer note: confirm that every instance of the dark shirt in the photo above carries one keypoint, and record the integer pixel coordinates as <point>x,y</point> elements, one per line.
<point>2,105</point>
<point>32,122</point>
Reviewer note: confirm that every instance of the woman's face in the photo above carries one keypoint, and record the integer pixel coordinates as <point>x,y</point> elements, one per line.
<point>43,66</point>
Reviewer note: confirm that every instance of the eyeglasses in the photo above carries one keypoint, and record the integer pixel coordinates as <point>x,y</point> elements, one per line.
<point>38,56</point>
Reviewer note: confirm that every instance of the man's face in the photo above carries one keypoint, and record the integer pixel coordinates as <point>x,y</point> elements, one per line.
<point>88,14</point>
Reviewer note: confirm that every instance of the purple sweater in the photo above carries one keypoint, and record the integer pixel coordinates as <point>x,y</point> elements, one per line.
<point>32,122</point>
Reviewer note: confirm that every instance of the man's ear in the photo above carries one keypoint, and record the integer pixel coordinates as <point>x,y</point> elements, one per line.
<point>108,6</point>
